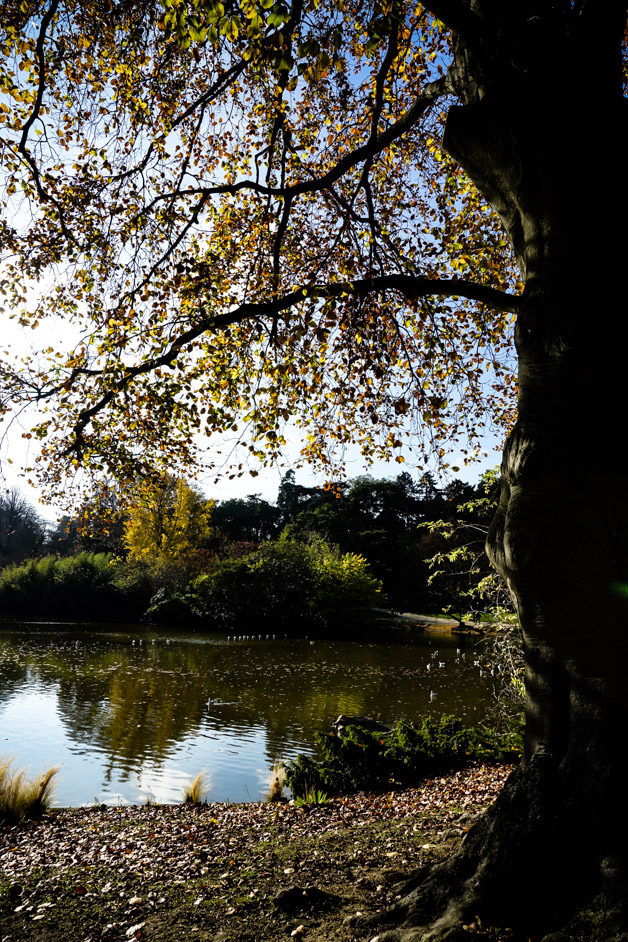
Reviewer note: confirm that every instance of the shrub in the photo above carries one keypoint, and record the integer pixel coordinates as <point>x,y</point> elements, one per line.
<point>26,586</point>
<point>345,592</point>
<point>229,596</point>
<point>174,608</point>
<point>361,759</point>
<point>82,581</point>
<point>66,586</point>
<point>294,586</point>
<point>134,585</point>
<point>89,584</point>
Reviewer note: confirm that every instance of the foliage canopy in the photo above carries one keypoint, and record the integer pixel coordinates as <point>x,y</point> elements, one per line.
<point>246,216</point>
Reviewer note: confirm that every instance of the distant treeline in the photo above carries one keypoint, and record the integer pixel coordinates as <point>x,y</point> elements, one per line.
<point>316,559</point>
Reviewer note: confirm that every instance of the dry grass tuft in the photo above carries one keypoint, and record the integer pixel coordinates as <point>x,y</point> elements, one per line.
<point>276,781</point>
<point>21,797</point>
<point>195,791</point>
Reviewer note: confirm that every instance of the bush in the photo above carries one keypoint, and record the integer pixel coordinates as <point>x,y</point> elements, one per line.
<point>83,580</point>
<point>361,759</point>
<point>89,585</point>
<point>294,587</point>
<point>71,586</point>
<point>172,607</point>
<point>345,592</point>
<point>26,588</point>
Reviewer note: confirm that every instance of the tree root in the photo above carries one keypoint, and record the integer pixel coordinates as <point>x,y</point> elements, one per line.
<point>530,864</point>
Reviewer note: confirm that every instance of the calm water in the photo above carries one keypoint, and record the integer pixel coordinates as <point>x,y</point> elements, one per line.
<point>126,714</point>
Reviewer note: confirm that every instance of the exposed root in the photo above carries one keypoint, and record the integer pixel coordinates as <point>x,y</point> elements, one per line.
<point>530,864</point>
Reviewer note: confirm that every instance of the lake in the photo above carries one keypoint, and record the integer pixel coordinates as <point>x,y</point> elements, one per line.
<point>128,714</point>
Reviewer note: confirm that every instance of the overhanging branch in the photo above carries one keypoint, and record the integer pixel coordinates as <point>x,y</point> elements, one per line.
<point>410,287</point>
<point>372,147</point>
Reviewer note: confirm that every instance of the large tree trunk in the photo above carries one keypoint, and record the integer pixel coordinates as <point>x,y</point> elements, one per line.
<point>556,840</point>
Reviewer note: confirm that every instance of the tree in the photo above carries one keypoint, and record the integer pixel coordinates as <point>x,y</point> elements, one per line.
<point>292,586</point>
<point>251,519</point>
<point>294,499</point>
<point>461,577</point>
<point>22,532</point>
<point>376,519</point>
<point>329,211</point>
<point>168,523</point>
<point>96,527</point>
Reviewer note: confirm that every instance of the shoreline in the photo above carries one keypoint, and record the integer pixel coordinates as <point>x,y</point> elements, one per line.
<point>159,872</point>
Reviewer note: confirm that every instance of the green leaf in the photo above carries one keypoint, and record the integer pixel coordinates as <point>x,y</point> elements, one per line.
<point>233,28</point>
<point>284,61</point>
<point>197,34</point>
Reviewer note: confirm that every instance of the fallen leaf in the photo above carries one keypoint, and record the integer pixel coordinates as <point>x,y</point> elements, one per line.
<point>134,930</point>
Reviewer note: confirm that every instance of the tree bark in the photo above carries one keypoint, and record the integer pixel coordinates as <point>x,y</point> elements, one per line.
<point>556,839</point>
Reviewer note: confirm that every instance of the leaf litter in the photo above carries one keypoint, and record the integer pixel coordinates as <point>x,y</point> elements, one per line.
<point>219,872</point>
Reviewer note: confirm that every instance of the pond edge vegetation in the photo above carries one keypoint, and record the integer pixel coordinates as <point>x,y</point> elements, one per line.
<point>22,797</point>
<point>358,760</point>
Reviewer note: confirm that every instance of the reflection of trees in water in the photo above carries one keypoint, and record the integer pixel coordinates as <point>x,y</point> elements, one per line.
<point>138,700</point>
<point>134,701</point>
<point>13,670</point>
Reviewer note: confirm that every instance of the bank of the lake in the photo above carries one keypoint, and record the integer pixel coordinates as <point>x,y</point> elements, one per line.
<point>228,872</point>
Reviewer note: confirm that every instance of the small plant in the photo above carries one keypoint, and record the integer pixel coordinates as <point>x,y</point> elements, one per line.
<point>314,797</point>
<point>195,791</point>
<point>21,797</point>
<point>277,781</point>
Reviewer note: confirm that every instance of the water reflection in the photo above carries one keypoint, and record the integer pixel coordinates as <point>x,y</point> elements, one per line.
<point>130,714</point>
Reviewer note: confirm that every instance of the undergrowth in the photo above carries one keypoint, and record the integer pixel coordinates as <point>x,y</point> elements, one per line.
<point>361,759</point>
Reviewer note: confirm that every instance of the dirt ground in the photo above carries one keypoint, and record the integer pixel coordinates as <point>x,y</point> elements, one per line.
<point>228,873</point>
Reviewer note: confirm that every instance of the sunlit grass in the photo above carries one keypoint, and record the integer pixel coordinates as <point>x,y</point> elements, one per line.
<point>195,791</point>
<point>276,781</point>
<point>21,797</point>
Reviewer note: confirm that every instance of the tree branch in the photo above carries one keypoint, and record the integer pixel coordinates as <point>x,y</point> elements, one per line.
<point>22,148</point>
<point>371,148</point>
<point>41,68</point>
<point>409,286</point>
